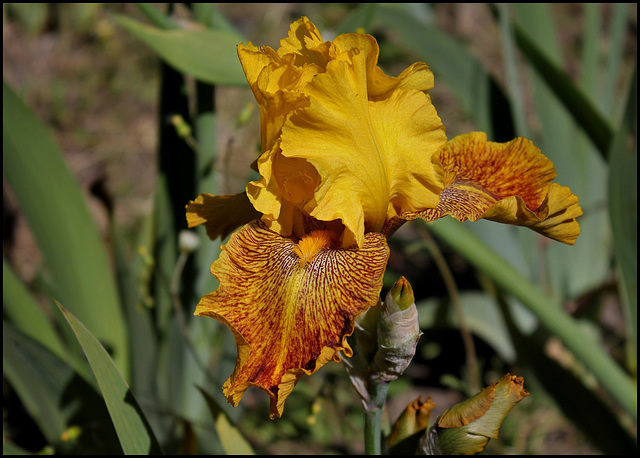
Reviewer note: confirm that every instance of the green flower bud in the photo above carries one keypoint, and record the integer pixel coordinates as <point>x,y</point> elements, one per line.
<point>182,128</point>
<point>465,429</point>
<point>402,294</point>
<point>414,419</point>
<point>398,333</point>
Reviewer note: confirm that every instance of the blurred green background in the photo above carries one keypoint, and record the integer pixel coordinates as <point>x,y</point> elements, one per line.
<point>96,176</point>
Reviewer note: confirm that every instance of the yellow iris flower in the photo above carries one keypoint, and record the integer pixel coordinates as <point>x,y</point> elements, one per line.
<point>348,155</point>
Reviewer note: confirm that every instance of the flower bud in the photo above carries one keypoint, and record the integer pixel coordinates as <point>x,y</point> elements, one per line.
<point>188,241</point>
<point>465,429</point>
<point>414,419</point>
<point>398,333</point>
<point>182,128</point>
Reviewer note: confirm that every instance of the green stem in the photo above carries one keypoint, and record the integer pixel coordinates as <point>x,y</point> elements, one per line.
<point>373,419</point>
<point>372,431</point>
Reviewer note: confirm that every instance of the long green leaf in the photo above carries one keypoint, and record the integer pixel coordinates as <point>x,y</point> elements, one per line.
<point>479,95</point>
<point>208,55</point>
<point>587,408</point>
<point>551,315</point>
<point>56,396</point>
<point>359,18</point>
<point>38,378</point>
<point>136,437</point>
<point>585,113</point>
<point>571,271</point>
<point>139,323</point>
<point>623,207</point>
<point>615,54</point>
<point>66,234</point>
<point>25,314</point>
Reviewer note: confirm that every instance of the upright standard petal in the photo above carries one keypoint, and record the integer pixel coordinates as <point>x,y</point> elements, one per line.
<point>341,140</point>
<point>375,158</point>
<point>290,304</point>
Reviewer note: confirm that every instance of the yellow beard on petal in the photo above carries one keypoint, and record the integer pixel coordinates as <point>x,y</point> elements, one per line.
<point>312,243</point>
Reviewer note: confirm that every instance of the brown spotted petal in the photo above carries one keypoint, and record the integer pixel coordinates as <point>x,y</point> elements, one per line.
<point>221,215</point>
<point>509,183</point>
<point>290,305</point>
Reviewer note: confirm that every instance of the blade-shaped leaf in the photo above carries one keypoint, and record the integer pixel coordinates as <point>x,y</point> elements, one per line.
<point>25,314</point>
<point>136,437</point>
<point>209,55</point>
<point>53,204</point>
<point>623,205</point>
<point>579,105</point>
<point>359,18</point>
<point>551,315</point>
<point>56,396</point>
<point>478,93</point>
<point>585,407</point>
<point>38,379</point>
<point>571,270</point>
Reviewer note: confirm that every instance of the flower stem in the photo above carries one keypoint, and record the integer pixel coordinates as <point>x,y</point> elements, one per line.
<point>373,419</point>
<point>372,432</point>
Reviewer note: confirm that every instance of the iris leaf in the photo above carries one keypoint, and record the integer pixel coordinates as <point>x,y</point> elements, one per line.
<point>208,55</point>
<point>57,397</point>
<point>596,126</point>
<point>623,207</point>
<point>479,95</point>
<point>25,314</point>
<point>39,379</point>
<point>551,315</point>
<point>230,436</point>
<point>54,207</point>
<point>128,419</point>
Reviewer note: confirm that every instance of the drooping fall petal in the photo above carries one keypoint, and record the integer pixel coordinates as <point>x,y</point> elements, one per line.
<point>290,305</point>
<point>509,183</point>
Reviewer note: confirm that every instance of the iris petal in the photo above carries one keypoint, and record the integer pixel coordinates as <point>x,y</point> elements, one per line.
<point>365,144</point>
<point>221,215</point>
<point>505,182</point>
<point>368,153</point>
<point>289,314</point>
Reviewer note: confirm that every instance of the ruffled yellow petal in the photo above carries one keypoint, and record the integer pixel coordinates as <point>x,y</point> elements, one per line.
<point>305,43</point>
<point>341,140</point>
<point>221,215</point>
<point>505,182</point>
<point>379,85</point>
<point>555,218</point>
<point>276,84</point>
<point>290,305</point>
<point>375,158</point>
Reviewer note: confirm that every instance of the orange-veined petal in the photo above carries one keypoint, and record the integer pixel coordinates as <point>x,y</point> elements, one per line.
<point>505,182</point>
<point>290,305</point>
